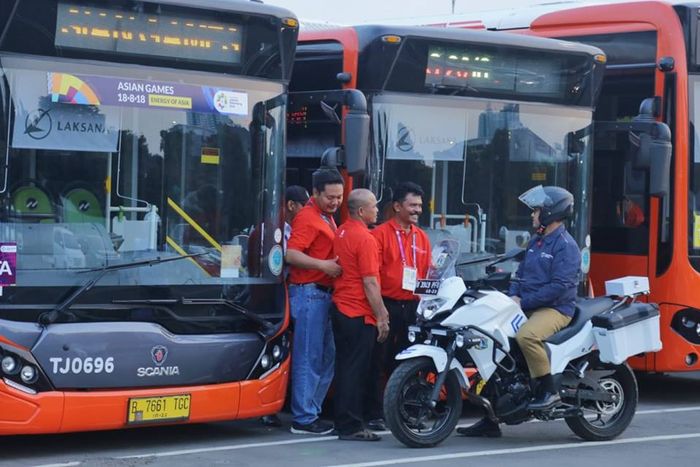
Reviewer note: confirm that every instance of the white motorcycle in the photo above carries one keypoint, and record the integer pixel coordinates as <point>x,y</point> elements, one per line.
<point>463,346</point>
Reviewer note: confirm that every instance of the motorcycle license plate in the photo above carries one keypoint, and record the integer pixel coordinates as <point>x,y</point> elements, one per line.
<point>158,409</point>
<point>427,287</point>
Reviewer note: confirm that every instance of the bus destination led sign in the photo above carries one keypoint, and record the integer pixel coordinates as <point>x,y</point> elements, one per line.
<point>136,33</point>
<point>505,71</point>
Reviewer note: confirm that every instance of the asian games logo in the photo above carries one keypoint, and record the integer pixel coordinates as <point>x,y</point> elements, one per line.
<point>220,101</point>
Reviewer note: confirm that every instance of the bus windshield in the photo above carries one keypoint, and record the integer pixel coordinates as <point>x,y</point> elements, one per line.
<point>473,157</point>
<point>107,164</point>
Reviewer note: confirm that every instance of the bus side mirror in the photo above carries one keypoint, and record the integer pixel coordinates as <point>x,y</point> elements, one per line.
<point>651,150</point>
<point>651,145</point>
<point>356,139</point>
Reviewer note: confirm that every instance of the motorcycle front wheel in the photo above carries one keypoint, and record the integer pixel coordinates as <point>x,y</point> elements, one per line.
<point>407,409</point>
<point>602,421</point>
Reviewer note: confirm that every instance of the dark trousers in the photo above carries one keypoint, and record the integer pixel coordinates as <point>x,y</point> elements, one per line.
<point>402,313</point>
<point>354,344</point>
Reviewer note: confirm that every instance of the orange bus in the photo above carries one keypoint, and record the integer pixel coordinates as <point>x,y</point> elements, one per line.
<point>475,118</point>
<point>653,58</point>
<point>140,212</point>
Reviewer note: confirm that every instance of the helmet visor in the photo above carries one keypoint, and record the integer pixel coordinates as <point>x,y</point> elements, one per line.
<point>535,197</point>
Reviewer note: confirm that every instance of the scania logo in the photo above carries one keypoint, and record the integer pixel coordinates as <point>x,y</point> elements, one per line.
<point>404,139</point>
<point>159,354</point>
<point>38,124</point>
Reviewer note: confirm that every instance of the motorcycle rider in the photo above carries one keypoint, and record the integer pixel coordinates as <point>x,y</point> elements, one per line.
<point>545,290</point>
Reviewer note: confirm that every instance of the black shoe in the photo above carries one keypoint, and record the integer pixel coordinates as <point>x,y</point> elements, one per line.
<point>377,424</point>
<point>271,420</point>
<point>317,427</point>
<point>484,427</point>
<point>362,435</point>
<point>545,401</point>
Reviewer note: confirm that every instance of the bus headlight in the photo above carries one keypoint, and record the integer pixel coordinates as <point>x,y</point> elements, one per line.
<point>28,374</point>
<point>276,352</point>
<point>265,362</point>
<point>9,365</point>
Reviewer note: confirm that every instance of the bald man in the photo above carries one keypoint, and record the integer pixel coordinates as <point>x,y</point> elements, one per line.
<point>359,316</point>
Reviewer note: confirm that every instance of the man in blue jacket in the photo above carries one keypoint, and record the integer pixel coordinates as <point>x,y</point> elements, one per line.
<point>545,290</point>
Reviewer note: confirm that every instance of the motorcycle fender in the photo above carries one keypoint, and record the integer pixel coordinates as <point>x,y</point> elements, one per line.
<point>439,358</point>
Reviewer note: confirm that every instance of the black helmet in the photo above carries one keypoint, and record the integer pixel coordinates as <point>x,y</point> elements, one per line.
<point>555,203</point>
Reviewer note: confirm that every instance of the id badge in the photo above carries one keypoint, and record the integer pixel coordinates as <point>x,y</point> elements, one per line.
<point>409,279</point>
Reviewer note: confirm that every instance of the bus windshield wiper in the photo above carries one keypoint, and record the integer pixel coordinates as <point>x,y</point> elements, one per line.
<point>51,316</point>
<point>266,326</point>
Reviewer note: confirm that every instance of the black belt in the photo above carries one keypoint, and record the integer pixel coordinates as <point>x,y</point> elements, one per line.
<point>323,288</point>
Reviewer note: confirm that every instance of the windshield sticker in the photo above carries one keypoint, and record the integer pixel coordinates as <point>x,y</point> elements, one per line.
<point>231,260</point>
<point>231,102</point>
<point>413,137</point>
<point>8,264</point>
<point>275,260</point>
<point>124,92</point>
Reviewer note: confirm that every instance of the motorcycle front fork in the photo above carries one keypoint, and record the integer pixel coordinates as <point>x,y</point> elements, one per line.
<point>442,376</point>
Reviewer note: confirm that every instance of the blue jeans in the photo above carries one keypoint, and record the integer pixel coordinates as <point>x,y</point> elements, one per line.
<point>313,351</point>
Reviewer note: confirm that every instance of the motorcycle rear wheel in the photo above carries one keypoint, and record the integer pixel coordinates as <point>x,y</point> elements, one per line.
<point>407,411</point>
<point>607,420</point>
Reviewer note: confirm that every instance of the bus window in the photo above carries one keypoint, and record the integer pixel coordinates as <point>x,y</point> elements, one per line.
<point>473,158</point>
<point>620,221</point>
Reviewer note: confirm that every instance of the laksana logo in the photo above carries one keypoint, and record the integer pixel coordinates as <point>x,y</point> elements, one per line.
<point>159,354</point>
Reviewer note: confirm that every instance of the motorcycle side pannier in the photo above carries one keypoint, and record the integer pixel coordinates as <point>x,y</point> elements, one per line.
<point>627,331</point>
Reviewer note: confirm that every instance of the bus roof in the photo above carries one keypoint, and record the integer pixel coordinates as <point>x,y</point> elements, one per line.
<point>367,34</point>
<point>241,6</point>
<point>520,17</point>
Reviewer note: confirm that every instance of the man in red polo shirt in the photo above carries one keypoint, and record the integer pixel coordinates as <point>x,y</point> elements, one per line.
<point>360,317</point>
<point>313,267</point>
<point>404,251</point>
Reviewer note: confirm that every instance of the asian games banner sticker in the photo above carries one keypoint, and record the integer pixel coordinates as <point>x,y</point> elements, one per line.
<point>8,264</point>
<point>124,92</point>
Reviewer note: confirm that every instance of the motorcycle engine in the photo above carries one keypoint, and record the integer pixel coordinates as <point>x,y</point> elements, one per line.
<point>511,404</point>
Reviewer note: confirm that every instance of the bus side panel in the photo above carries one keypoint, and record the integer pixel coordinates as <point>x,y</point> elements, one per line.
<point>265,396</point>
<point>605,266</point>
<point>29,414</point>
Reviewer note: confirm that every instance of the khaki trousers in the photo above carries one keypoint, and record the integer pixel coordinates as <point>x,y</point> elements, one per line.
<point>541,324</point>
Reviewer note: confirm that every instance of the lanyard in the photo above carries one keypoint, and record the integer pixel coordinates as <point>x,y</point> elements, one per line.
<point>403,255</point>
<point>330,221</point>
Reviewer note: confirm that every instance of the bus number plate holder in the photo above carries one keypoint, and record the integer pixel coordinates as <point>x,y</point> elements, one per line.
<point>158,409</point>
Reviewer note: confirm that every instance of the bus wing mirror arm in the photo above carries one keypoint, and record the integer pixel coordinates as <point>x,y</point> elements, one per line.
<point>356,125</point>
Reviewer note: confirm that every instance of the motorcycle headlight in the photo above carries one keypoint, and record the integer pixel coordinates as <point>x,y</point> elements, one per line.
<point>428,307</point>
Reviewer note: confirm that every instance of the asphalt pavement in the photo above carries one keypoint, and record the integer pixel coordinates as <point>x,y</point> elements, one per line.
<point>664,432</point>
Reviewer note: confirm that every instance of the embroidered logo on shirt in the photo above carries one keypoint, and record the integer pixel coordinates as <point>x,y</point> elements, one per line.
<point>546,255</point>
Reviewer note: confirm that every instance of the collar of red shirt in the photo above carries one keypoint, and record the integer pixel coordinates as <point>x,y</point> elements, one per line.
<point>355,223</point>
<point>396,226</point>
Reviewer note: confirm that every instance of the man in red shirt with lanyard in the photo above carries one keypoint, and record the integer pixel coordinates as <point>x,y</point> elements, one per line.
<point>313,267</point>
<point>404,251</point>
<point>359,316</point>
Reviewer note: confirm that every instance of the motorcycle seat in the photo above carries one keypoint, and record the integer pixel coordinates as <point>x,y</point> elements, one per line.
<point>585,310</point>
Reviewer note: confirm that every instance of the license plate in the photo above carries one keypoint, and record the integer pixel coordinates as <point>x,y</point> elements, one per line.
<point>427,287</point>
<point>158,409</point>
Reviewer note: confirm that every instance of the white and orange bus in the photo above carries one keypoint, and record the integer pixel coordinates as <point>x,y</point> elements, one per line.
<point>653,50</point>
<point>142,147</point>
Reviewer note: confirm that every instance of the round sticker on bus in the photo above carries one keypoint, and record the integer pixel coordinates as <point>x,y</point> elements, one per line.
<point>275,260</point>
<point>278,235</point>
<point>585,260</point>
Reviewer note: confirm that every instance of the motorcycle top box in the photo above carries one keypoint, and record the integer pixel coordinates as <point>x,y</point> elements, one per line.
<point>627,331</point>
